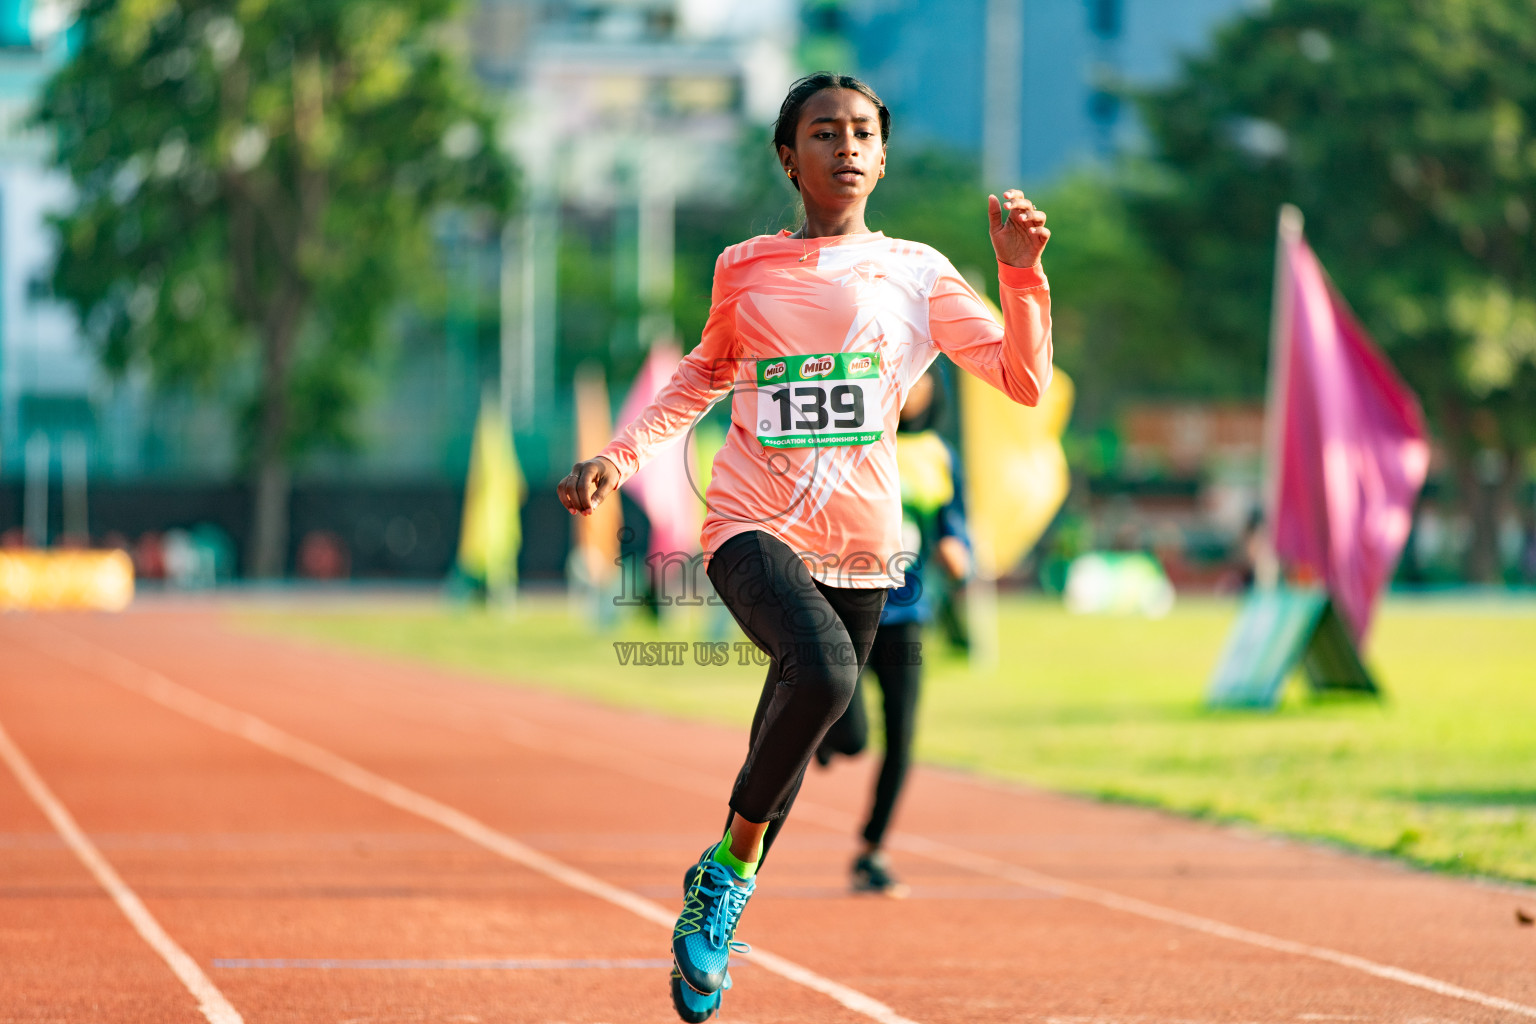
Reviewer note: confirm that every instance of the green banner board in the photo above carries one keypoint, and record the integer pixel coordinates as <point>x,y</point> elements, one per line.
<point>1277,629</point>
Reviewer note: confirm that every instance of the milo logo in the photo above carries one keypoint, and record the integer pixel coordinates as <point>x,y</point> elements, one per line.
<point>817,367</point>
<point>860,365</point>
<point>774,370</point>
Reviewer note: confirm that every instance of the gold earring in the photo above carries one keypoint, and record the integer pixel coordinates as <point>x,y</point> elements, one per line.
<point>789,173</point>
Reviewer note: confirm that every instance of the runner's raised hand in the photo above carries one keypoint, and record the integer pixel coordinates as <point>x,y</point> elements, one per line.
<point>1018,229</point>
<point>587,484</point>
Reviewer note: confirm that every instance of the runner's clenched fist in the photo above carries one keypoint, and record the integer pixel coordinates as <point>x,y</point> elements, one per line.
<point>1018,229</point>
<point>587,484</point>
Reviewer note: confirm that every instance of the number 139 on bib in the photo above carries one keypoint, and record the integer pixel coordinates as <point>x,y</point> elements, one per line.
<point>819,400</point>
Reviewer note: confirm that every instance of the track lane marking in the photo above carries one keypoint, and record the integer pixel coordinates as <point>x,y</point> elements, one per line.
<point>639,764</point>
<point>955,856</point>
<point>983,864</point>
<point>147,682</point>
<point>209,999</point>
<point>642,765</point>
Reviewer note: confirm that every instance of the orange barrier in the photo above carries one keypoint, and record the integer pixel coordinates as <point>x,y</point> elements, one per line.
<point>96,580</point>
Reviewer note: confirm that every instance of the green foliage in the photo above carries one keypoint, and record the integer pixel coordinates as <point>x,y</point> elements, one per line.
<point>932,196</point>
<point>254,182</point>
<point>590,310</point>
<point>1404,131</point>
<point>599,311</point>
<point>1114,305</point>
<point>1437,773</point>
<point>764,203</point>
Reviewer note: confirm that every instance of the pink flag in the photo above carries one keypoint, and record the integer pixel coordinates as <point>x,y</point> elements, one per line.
<point>662,486</point>
<point>1348,452</point>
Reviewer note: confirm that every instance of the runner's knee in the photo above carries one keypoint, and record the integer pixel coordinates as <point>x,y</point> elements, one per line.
<point>826,673</point>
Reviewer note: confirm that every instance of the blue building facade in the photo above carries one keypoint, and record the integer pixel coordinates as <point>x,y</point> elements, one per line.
<point>928,62</point>
<point>45,371</point>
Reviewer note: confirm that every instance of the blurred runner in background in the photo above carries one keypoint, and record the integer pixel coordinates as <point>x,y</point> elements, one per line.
<point>933,528</point>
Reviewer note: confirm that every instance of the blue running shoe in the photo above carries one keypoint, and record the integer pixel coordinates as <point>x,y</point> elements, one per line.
<point>690,1005</point>
<point>704,938</point>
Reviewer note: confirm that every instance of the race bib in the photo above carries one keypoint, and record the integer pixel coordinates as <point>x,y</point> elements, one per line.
<point>819,400</point>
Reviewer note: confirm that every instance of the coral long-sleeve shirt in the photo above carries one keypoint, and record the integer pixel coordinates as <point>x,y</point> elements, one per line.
<point>818,341</point>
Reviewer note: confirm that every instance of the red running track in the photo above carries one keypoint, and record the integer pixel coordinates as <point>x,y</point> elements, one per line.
<point>202,825</point>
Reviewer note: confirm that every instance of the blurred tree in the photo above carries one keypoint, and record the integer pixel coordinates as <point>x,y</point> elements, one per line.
<point>930,195</point>
<point>1404,131</point>
<point>1114,302</point>
<point>1115,305</point>
<point>254,179</point>
<point>760,202</point>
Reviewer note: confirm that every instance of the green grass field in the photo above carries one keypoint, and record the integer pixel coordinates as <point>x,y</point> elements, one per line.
<point>1442,772</point>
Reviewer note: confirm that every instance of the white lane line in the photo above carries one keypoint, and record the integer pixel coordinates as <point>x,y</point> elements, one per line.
<point>642,765</point>
<point>209,999</point>
<point>982,864</point>
<point>151,684</point>
<point>639,764</point>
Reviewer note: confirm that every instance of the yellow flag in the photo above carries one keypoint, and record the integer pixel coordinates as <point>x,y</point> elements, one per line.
<point>492,531</point>
<point>1015,469</point>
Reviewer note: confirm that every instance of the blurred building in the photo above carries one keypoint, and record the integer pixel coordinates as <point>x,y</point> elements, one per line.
<point>46,375</point>
<point>1031,87</point>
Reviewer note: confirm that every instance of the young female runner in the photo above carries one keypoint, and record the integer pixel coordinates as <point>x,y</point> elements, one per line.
<point>819,334</point>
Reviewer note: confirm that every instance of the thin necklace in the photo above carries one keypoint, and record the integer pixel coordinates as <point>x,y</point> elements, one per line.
<point>798,234</point>
<point>806,253</point>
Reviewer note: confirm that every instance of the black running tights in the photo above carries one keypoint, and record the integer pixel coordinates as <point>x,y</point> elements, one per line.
<point>817,639</point>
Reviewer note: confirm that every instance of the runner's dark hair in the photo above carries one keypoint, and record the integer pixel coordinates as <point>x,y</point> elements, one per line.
<point>810,85</point>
